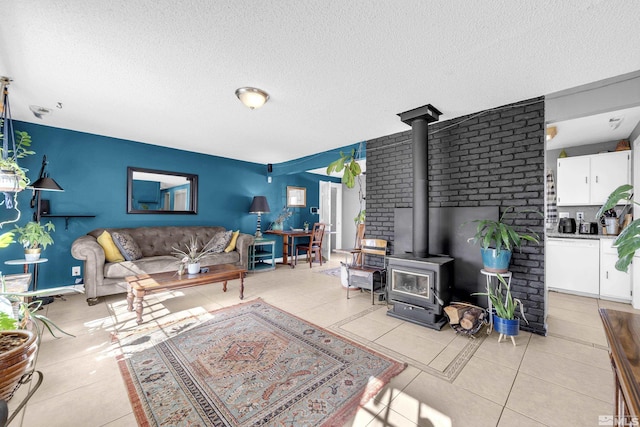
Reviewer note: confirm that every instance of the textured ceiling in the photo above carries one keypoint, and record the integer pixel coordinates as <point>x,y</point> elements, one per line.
<point>165,72</point>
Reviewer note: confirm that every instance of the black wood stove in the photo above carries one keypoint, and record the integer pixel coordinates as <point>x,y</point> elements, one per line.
<point>419,284</point>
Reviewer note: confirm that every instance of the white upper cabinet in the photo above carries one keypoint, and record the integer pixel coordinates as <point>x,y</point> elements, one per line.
<point>573,181</point>
<point>588,180</point>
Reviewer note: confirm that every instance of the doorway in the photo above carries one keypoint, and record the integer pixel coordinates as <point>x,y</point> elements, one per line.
<point>331,214</point>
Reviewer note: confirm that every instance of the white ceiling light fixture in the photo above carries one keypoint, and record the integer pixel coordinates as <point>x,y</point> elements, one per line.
<point>252,97</point>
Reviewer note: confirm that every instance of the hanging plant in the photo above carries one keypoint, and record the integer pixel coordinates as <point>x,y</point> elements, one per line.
<point>13,178</point>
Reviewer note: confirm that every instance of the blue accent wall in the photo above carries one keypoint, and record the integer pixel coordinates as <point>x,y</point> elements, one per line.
<point>92,169</point>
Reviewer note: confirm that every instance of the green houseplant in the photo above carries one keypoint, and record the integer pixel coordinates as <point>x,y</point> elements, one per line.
<point>20,331</point>
<point>12,176</point>
<point>498,238</point>
<point>193,254</point>
<point>504,304</point>
<point>35,237</point>
<point>349,167</point>
<point>628,241</point>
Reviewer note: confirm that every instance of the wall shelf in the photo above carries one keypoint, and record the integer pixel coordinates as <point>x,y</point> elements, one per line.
<point>67,217</point>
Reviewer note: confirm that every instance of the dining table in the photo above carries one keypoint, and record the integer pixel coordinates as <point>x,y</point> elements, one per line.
<point>289,241</point>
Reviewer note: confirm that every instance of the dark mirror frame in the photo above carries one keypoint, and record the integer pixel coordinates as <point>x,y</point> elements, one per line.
<point>192,179</point>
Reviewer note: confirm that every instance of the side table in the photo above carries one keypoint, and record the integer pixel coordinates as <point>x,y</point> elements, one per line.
<point>490,276</point>
<point>26,264</point>
<point>262,255</point>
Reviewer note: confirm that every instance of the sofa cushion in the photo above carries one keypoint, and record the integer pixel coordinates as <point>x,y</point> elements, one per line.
<point>154,264</point>
<point>221,241</point>
<point>111,252</point>
<point>232,243</point>
<point>128,247</point>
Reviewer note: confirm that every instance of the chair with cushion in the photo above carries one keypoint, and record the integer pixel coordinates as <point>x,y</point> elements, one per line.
<point>365,276</point>
<point>314,246</point>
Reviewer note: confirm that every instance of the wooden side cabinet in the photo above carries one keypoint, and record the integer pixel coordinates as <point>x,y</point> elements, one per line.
<point>262,255</point>
<point>623,334</point>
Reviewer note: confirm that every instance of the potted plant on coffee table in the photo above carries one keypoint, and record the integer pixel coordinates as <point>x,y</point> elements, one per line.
<point>192,256</point>
<point>504,306</point>
<point>34,237</point>
<point>498,238</point>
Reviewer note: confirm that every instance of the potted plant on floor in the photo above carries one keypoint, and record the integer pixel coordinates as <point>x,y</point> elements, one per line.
<point>192,256</point>
<point>498,238</point>
<point>504,306</point>
<point>20,328</point>
<point>628,241</point>
<point>34,237</point>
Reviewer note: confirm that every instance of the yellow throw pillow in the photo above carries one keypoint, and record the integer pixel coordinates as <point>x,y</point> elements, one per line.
<point>111,251</point>
<point>232,243</point>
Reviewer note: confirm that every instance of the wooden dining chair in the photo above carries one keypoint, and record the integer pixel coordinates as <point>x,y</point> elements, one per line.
<point>314,246</point>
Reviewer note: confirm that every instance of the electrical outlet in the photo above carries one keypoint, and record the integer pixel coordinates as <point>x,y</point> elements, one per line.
<point>75,271</point>
<point>579,216</point>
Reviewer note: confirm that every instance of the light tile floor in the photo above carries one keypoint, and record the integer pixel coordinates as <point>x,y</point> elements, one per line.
<point>558,380</point>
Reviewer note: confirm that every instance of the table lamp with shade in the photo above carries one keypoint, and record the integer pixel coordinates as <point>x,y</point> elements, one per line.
<point>259,206</point>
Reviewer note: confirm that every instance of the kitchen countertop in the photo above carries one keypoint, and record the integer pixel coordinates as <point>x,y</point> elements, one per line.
<point>556,234</point>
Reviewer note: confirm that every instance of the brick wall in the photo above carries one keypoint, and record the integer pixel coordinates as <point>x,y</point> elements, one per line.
<point>490,158</point>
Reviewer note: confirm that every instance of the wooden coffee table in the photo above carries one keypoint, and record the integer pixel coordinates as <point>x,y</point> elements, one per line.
<point>143,284</point>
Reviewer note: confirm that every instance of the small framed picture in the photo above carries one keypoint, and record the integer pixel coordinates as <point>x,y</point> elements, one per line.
<point>296,197</point>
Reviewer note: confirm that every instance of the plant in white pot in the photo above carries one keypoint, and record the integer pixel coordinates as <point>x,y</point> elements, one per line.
<point>504,304</point>
<point>498,238</point>
<point>35,237</point>
<point>193,254</point>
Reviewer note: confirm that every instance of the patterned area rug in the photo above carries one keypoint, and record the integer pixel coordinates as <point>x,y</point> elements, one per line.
<point>250,364</point>
<point>331,272</point>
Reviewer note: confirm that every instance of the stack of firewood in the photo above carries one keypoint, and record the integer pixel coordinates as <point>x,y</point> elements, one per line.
<point>466,318</point>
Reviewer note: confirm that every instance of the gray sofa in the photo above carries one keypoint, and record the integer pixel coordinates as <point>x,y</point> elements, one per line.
<point>156,243</point>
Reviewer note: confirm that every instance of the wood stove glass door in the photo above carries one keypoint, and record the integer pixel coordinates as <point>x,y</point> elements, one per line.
<point>412,283</point>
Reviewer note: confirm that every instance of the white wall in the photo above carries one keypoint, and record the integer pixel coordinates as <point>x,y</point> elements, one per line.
<point>350,208</point>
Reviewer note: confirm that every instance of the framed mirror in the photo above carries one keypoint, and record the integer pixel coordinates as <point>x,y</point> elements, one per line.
<point>151,191</point>
<point>296,197</point>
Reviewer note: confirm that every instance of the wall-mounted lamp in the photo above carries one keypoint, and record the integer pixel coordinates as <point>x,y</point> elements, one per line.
<point>43,183</point>
<point>552,131</point>
<point>252,97</point>
<point>259,206</point>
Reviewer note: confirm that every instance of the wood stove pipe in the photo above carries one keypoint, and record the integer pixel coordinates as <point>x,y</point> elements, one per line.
<point>419,119</point>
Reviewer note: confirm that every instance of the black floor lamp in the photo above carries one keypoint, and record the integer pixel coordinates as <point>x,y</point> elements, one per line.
<point>43,183</point>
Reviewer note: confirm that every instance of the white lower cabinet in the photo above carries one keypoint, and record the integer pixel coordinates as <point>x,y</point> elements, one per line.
<point>586,267</point>
<point>573,265</point>
<point>614,284</point>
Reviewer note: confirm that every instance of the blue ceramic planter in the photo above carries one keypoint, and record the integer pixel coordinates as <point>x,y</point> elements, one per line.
<point>509,327</point>
<point>494,262</point>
